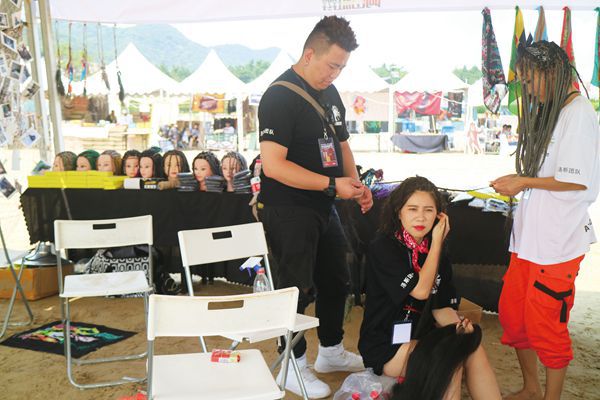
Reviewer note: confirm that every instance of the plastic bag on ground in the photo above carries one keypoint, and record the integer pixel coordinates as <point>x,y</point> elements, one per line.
<point>365,385</point>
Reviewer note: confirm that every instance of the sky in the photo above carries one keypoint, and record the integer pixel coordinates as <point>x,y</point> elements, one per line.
<point>433,40</point>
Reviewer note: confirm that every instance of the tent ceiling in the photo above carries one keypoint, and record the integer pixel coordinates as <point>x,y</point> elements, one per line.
<point>180,11</point>
<point>212,76</point>
<point>429,80</point>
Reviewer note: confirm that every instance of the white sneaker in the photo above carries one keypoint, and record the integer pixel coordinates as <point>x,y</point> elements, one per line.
<point>335,358</point>
<point>315,388</point>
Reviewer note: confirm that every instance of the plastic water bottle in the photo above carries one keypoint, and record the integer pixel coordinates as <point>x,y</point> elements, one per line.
<point>261,283</point>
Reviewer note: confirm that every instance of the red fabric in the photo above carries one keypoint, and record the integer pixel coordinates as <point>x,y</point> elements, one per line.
<point>531,318</point>
<point>422,102</point>
<point>411,243</point>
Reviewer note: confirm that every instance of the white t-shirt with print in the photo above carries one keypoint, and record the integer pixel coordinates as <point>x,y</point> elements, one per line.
<point>552,227</point>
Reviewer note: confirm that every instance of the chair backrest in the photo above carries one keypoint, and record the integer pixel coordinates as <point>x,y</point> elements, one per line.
<point>103,233</point>
<point>202,246</point>
<point>222,315</point>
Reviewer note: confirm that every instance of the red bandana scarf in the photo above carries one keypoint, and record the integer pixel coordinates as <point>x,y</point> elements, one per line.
<point>404,237</point>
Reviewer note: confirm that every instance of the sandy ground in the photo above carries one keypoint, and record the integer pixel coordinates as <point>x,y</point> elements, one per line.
<point>32,375</point>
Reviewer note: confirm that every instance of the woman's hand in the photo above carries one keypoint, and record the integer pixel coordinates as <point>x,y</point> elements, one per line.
<point>441,229</point>
<point>508,185</point>
<point>464,326</point>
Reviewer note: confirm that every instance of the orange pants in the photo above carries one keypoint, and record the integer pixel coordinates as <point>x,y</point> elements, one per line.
<point>534,308</point>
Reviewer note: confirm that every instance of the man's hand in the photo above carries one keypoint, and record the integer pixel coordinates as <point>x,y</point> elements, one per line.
<point>348,188</point>
<point>366,200</point>
<point>508,185</point>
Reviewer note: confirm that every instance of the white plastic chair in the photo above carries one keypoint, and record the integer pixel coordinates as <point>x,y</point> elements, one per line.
<point>203,246</point>
<point>194,376</point>
<point>17,278</point>
<point>102,234</point>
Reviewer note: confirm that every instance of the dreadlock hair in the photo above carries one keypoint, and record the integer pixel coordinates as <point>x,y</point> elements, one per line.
<point>181,160</point>
<point>238,157</point>
<point>157,162</point>
<point>331,30</point>
<point>433,362</point>
<point>390,220</point>
<point>211,159</point>
<point>69,160</point>
<point>129,154</point>
<point>542,66</point>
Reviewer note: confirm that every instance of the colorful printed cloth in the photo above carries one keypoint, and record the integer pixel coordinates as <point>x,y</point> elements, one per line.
<point>493,79</point>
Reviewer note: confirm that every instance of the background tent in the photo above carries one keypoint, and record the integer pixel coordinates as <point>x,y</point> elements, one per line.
<point>212,76</point>
<point>429,80</point>
<point>131,64</point>
<point>281,63</point>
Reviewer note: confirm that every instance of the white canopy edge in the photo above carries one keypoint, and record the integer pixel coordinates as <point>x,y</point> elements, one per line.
<point>184,11</point>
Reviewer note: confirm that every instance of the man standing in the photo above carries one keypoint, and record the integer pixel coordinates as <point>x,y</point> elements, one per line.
<point>306,162</point>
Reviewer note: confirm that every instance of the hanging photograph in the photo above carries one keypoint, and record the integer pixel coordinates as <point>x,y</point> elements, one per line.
<point>3,66</point>
<point>6,188</point>
<point>9,42</point>
<point>2,169</point>
<point>16,20</point>
<point>16,3</point>
<point>29,137</point>
<point>24,74</point>
<point>15,70</point>
<point>24,52</point>
<point>4,21</point>
<point>6,110</point>
<point>30,90</point>
<point>3,137</point>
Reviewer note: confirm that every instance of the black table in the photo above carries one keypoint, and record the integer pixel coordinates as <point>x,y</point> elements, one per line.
<point>477,241</point>
<point>420,143</point>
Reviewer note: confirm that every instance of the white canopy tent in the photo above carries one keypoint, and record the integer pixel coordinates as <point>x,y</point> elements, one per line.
<point>212,76</point>
<point>429,80</point>
<point>138,74</point>
<point>357,77</point>
<point>282,62</point>
<point>160,11</point>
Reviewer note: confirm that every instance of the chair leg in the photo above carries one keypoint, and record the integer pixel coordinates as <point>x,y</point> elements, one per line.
<point>71,361</point>
<point>298,375</point>
<point>13,297</point>
<point>190,287</point>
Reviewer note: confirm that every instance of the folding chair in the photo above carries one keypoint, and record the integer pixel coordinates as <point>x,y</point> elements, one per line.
<point>194,376</point>
<point>203,246</point>
<point>102,234</point>
<point>17,287</point>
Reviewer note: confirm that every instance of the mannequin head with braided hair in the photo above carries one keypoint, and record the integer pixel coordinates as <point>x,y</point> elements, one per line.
<point>205,164</point>
<point>546,78</point>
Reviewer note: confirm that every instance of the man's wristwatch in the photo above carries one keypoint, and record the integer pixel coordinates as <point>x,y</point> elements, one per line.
<point>330,189</point>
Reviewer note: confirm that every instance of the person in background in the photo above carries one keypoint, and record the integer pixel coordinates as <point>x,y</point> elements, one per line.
<point>306,162</point>
<point>558,174</point>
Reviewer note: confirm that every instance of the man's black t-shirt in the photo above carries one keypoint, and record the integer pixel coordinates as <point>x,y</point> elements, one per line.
<point>289,120</point>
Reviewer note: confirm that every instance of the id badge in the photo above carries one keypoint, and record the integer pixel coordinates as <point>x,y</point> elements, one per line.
<point>401,333</point>
<point>526,194</point>
<point>327,150</point>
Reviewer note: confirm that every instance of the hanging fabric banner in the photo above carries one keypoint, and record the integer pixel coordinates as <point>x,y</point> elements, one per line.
<point>596,76</point>
<point>541,32</point>
<point>514,89</point>
<point>566,41</point>
<point>421,102</point>
<point>493,79</point>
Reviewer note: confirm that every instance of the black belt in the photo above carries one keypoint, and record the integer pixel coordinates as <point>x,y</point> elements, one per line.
<point>560,296</point>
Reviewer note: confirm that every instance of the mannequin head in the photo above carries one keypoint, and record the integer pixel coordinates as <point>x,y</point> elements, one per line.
<point>205,164</point>
<point>151,164</point>
<point>232,163</point>
<point>130,167</point>
<point>174,162</point>
<point>109,161</point>
<point>65,161</point>
<point>86,161</point>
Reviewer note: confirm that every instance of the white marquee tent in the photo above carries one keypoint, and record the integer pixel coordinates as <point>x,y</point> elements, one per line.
<point>138,74</point>
<point>357,77</point>
<point>429,80</point>
<point>282,62</point>
<point>212,76</point>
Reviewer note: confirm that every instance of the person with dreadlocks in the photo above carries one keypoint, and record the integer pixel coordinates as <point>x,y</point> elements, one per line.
<point>557,172</point>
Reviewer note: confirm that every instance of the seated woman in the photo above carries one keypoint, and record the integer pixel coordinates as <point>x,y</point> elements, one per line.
<point>86,160</point>
<point>130,167</point>
<point>410,291</point>
<point>205,164</point>
<point>232,163</point>
<point>109,161</point>
<point>65,161</point>
<point>151,164</point>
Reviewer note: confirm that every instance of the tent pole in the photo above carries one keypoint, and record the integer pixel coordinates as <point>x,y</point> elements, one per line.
<point>239,111</point>
<point>49,51</point>
<point>391,111</point>
<point>41,123</point>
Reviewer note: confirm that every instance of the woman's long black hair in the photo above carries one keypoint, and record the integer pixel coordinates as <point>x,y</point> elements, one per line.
<point>434,361</point>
